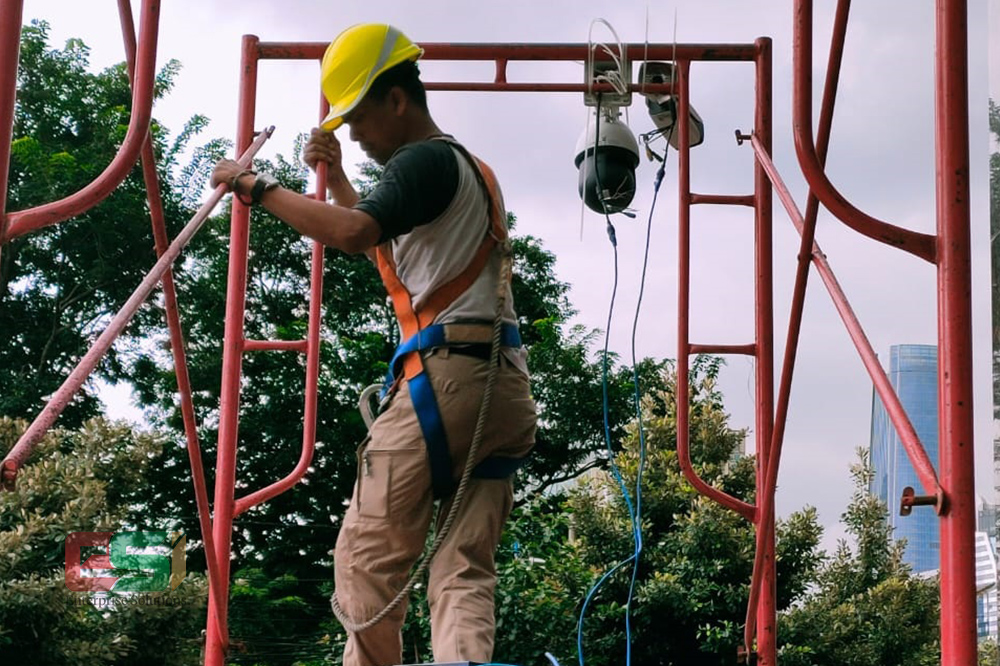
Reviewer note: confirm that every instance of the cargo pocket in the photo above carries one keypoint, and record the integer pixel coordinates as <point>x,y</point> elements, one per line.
<point>393,486</point>
<point>374,483</point>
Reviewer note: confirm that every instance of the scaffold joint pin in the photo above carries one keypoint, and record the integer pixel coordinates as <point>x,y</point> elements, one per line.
<point>910,499</point>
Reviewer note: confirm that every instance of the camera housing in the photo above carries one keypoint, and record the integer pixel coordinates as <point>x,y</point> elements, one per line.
<point>607,155</point>
<point>663,108</point>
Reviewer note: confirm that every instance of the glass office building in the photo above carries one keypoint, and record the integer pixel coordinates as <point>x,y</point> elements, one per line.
<point>913,373</point>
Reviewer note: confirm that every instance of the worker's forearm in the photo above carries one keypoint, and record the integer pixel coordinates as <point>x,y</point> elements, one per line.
<point>346,229</point>
<point>341,190</point>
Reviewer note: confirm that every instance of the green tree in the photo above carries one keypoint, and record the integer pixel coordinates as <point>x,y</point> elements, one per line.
<point>265,606</point>
<point>59,286</point>
<point>87,479</point>
<point>694,571</point>
<point>988,654</point>
<point>696,565</point>
<point>867,608</point>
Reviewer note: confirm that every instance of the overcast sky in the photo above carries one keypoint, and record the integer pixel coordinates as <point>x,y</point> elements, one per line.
<point>881,157</point>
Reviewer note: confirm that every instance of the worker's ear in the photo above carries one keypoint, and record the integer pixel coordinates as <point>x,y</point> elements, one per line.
<point>399,101</point>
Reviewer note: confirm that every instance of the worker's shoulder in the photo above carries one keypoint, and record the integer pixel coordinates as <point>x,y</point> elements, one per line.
<point>425,164</point>
<point>429,153</point>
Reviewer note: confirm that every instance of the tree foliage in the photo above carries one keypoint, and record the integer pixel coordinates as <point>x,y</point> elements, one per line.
<point>692,580</point>
<point>695,568</point>
<point>988,653</point>
<point>88,480</point>
<point>867,608</point>
<point>59,286</point>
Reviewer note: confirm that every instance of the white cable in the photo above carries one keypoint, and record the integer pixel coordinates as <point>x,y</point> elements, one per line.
<point>675,37</point>
<point>617,77</point>
<point>645,49</point>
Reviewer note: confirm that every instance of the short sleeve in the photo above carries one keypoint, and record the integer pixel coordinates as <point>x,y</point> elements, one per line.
<point>417,185</point>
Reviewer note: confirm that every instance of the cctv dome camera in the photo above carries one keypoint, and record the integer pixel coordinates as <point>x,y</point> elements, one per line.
<point>607,155</point>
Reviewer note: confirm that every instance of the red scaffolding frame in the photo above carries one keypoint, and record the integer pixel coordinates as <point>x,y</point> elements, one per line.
<point>951,494</point>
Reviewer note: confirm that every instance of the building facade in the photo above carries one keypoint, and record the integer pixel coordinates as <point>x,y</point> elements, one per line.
<point>986,586</point>
<point>913,374</point>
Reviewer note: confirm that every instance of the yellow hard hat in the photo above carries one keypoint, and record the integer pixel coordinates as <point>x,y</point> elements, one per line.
<point>354,59</point>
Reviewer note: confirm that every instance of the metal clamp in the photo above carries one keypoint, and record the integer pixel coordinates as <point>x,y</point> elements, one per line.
<point>368,414</point>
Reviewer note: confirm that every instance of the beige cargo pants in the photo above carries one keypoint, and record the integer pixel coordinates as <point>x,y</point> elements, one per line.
<point>385,527</point>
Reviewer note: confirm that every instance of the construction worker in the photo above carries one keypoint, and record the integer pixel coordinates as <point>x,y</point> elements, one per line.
<point>435,226</point>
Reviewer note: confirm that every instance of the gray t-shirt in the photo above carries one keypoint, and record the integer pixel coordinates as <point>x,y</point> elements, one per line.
<point>417,185</point>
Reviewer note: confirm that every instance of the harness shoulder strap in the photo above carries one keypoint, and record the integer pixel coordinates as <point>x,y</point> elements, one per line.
<point>446,294</point>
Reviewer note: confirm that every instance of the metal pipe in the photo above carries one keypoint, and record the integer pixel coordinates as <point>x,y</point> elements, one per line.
<point>162,243</point>
<point>764,390</point>
<point>684,307</point>
<point>500,75</point>
<point>801,281</point>
<point>904,428</point>
<point>276,345</point>
<point>921,245</point>
<point>217,643</point>
<point>31,219</point>
<point>313,348</point>
<point>10,48</point>
<point>483,86</point>
<point>64,394</point>
<point>798,297</point>
<point>521,52</point>
<point>724,199</point>
<point>954,288</point>
<point>808,235</point>
<point>312,390</point>
<point>745,350</point>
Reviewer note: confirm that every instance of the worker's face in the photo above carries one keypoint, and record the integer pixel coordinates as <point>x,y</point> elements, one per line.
<point>376,125</point>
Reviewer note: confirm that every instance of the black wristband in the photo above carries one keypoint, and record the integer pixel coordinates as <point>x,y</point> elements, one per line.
<point>262,183</point>
<point>236,178</point>
<point>257,191</point>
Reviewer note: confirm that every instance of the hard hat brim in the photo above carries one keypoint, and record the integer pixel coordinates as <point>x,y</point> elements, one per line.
<point>333,120</point>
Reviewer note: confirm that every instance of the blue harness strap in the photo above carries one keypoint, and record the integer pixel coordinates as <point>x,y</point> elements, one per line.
<point>432,427</point>
<point>436,336</point>
<point>429,415</point>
